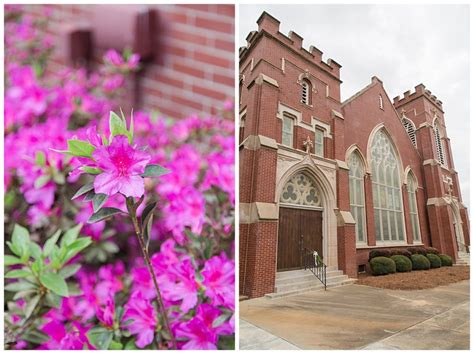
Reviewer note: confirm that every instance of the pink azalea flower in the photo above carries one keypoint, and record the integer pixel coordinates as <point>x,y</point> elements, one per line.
<point>218,274</point>
<point>200,331</point>
<point>122,165</point>
<point>144,319</point>
<point>62,339</point>
<point>106,314</point>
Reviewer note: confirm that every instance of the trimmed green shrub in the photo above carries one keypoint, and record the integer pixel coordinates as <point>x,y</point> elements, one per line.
<point>420,262</point>
<point>446,261</point>
<point>435,261</point>
<point>402,263</point>
<point>382,266</point>
<point>400,252</point>
<point>379,253</point>
<point>418,250</point>
<point>432,250</point>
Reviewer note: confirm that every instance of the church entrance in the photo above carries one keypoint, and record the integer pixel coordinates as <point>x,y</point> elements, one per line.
<point>298,229</point>
<point>300,222</point>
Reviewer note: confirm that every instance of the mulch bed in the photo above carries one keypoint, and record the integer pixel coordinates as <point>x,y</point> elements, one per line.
<point>416,280</point>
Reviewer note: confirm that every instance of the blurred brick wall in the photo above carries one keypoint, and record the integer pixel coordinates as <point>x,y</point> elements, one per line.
<point>197,74</point>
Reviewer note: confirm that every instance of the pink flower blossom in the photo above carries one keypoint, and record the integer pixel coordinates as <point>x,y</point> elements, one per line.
<point>63,339</point>
<point>218,274</point>
<point>122,165</point>
<point>144,319</point>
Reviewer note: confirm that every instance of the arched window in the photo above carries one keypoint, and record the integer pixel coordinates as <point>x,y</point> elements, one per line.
<point>242,128</point>
<point>411,187</point>
<point>439,144</point>
<point>357,195</point>
<point>410,128</point>
<point>306,92</point>
<point>301,190</point>
<point>386,190</point>
<point>241,85</point>
<point>380,102</point>
<point>319,142</point>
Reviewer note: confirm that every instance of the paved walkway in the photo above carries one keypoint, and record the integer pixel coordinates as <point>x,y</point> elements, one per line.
<point>359,317</point>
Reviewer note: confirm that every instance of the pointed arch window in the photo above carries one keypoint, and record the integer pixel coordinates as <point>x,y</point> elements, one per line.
<point>357,195</point>
<point>439,144</point>
<point>415,223</point>
<point>287,130</point>
<point>306,91</point>
<point>410,128</point>
<point>386,190</point>
<point>301,190</point>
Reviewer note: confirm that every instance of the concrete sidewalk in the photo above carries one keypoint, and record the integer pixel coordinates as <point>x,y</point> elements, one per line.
<point>360,317</point>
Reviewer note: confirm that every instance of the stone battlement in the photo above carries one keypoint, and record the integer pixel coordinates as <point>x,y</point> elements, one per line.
<point>420,90</point>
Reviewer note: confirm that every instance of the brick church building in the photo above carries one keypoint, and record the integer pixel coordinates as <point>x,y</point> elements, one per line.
<point>341,177</point>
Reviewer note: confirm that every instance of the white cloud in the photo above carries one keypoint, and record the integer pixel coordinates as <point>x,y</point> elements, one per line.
<point>403,45</point>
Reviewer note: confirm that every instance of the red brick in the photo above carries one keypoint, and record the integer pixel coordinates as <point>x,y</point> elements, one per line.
<point>215,25</point>
<point>225,80</point>
<point>211,59</point>
<point>209,92</point>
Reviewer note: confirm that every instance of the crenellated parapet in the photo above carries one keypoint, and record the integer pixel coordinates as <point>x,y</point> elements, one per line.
<point>420,90</point>
<point>271,26</point>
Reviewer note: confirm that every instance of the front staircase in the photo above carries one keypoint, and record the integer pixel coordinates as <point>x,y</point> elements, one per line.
<point>464,259</point>
<point>299,281</point>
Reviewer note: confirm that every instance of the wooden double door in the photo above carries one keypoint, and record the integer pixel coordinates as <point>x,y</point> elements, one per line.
<point>298,228</point>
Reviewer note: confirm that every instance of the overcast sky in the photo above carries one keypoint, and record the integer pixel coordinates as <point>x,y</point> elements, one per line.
<point>403,45</point>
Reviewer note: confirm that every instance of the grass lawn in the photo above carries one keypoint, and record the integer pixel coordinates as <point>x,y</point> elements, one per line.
<point>416,280</point>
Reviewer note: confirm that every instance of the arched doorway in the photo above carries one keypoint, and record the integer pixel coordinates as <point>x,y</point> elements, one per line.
<point>300,221</point>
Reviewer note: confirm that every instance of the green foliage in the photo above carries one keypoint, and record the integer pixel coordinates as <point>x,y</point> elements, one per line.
<point>379,253</point>
<point>154,171</point>
<point>103,214</point>
<point>39,276</point>
<point>402,263</point>
<point>420,262</point>
<point>382,266</point>
<point>80,148</point>
<point>446,261</point>
<point>435,261</point>
<point>118,126</point>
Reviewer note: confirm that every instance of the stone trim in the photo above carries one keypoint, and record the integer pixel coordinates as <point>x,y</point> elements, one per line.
<point>255,142</point>
<point>342,165</point>
<point>254,212</point>
<point>437,201</point>
<point>431,162</point>
<point>264,78</point>
<point>336,114</point>
<point>344,218</point>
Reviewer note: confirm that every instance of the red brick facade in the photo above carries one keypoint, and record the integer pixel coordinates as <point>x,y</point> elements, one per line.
<point>192,70</point>
<point>273,70</point>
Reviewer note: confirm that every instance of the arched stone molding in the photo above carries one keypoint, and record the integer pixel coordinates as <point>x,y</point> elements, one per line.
<point>306,75</point>
<point>327,188</point>
<point>356,148</point>
<point>458,229</point>
<point>409,171</point>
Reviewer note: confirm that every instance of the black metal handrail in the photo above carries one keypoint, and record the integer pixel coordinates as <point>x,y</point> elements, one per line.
<point>315,264</point>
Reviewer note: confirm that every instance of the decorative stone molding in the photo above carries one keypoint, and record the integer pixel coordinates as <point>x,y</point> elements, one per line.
<point>255,142</point>
<point>258,211</point>
<point>336,114</point>
<point>344,218</point>
<point>264,78</point>
<point>342,165</point>
<point>431,162</point>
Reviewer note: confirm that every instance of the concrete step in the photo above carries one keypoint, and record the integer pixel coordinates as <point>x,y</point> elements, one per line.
<point>306,276</point>
<point>309,283</point>
<point>299,272</point>
<point>312,288</point>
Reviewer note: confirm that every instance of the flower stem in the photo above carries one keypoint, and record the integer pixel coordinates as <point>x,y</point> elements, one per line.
<point>147,259</point>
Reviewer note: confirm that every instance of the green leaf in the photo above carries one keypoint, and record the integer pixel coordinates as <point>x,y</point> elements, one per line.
<point>19,286</point>
<point>69,271</point>
<point>40,159</point>
<point>154,171</point>
<point>100,337</point>
<point>80,148</point>
<point>55,283</point>
<point>53,300</point>
<point>36,336</point>
<point>71,235</point>
<point>89,196</point>
<point>98,201</point>
<point>31,305</point>
<point>21,239</point>
<point>115,346</point>
<point>117,125</point>
<point>103,214</point>
<point>83,190</point>
<point>110,247</point>
<point>11,260</point>
<point>49,245</point>
<point>91,170</point>
<point>59,178</point>
<point>147,220</point>
<point>220,320</point>
<point>14,249</point>
<point>18,273</point>
<point>76,247</point>
<point>35,250</point>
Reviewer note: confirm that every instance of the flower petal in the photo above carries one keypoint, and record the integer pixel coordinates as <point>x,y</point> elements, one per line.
<point>107,183</point>
<point>131,186</point>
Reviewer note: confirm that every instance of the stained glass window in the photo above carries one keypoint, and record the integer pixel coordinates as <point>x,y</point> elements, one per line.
<point>357,196</point>
<point>411,186</point>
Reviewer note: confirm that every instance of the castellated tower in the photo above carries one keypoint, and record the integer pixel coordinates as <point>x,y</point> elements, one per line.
<point>422,115</point>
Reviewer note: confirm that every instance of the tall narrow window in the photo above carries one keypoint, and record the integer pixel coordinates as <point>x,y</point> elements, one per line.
<point>319,142</point>
<point>242,129</point>
<point>411,187</point>
<point>357,196</point>
<point>287,131</point>
<point>380,102</point>
<point>386,190</point>
<point>439,144</point>
<point>241,85</point>
<point>410,128</point>
<point>306,92</point>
